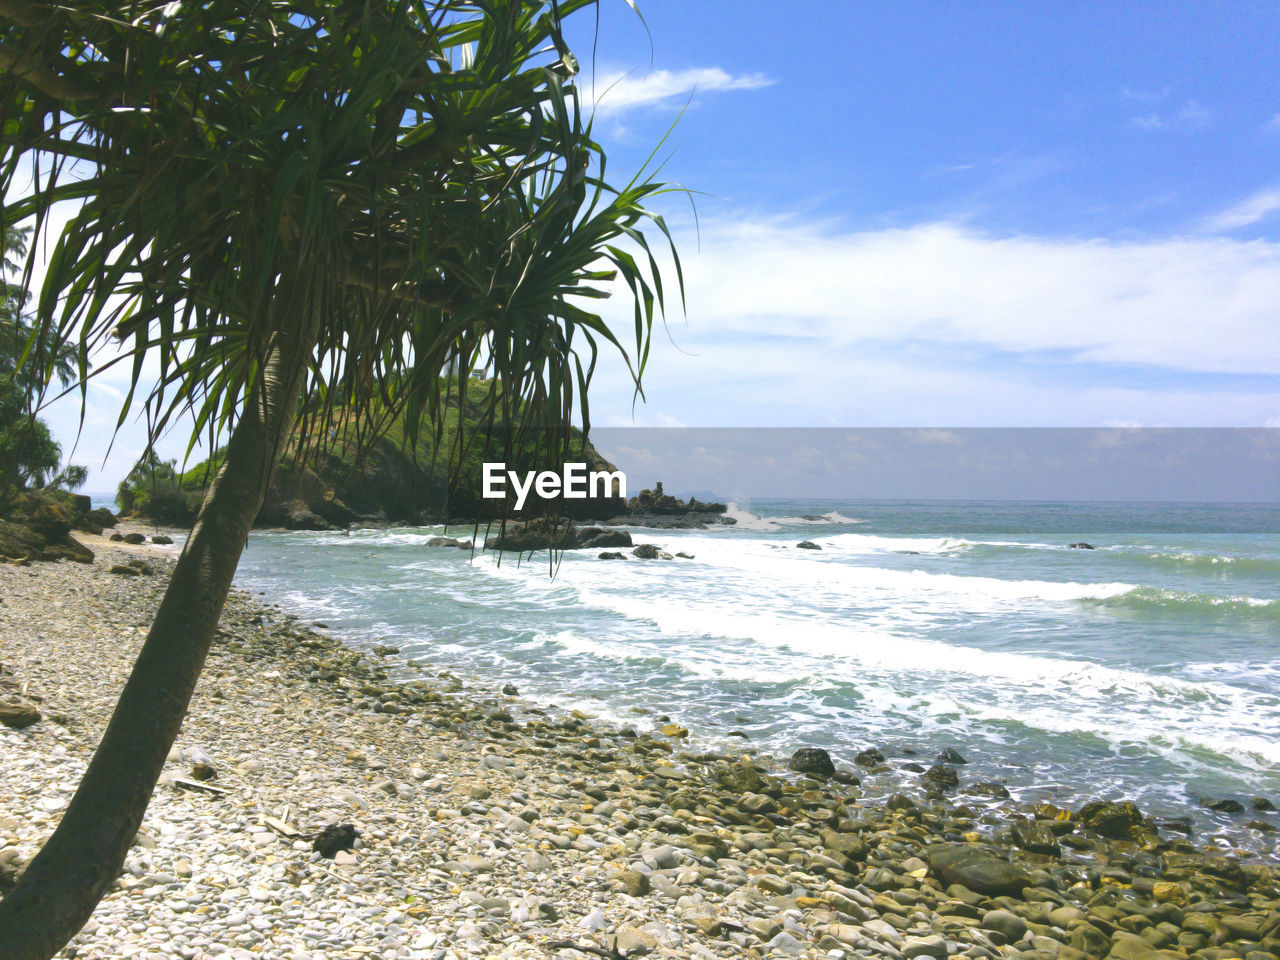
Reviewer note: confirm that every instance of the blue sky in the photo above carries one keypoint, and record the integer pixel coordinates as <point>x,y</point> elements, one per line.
<point>942,215</point>
<point>981,214</point>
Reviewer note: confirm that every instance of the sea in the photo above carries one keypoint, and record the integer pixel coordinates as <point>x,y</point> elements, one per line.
<point>1146,668</point>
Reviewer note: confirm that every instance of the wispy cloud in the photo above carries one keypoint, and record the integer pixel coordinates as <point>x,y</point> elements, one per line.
<point>1247,212</point>
<point>617,92</point>
<point>796,323</point>
<point>1272,125</point>
<point>1192,116</point>
<point>1138,95</point>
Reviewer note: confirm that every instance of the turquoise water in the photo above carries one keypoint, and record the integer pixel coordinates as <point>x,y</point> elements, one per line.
<point>1148,668</point>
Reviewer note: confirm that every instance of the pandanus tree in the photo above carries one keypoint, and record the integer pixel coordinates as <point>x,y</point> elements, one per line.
<point>286,210</point>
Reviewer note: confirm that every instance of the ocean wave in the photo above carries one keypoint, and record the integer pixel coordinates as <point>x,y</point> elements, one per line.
<point>1225,563</point>
<point>1158,600</point>
<point>746,520</point>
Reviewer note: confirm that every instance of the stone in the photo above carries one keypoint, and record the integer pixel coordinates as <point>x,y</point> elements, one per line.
<point>1116,820</point>
<point>1036,836</point>
<point>931,946</point>
<point>740,778</point>
<point>19,714</point>
<point>333,838</point>
<point>1225,805</point>
<point>633,883</point>
<point>1009,925</point>
<point>674,730</point>
<point>978,868</point>
<point>646,551</point>
<point>135,538</point>
<point>951,756</point>
<point>869,757</point>
<point>942,776</point>
<point>787,944</point>
<point>807,545</point>
<point>634,942</point>
<point>161,539</point>
<point>812,760</point>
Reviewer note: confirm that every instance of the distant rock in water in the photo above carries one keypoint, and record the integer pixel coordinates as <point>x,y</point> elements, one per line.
<point>1081,546</point>
<point>1224,806</point>
<point>647,551</point>
<point>653,508</point>
<point>611,555</point>
<point>813,760</point>
<point>807,545</point>
<point>449,542</point>
<point>950,755</point>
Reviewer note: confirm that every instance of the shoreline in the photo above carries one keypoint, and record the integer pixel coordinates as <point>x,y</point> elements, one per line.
<point>466,809</point>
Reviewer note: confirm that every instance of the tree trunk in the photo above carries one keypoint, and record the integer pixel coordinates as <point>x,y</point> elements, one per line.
<point>64,882</point>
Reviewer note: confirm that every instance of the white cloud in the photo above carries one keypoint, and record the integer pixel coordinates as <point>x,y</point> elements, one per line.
<point>940,325</point>
<point>1199,304</point>
<point>1192,116</point>
<point>617,92</point>
<point>1272,125</point>
<point>1248,211</point>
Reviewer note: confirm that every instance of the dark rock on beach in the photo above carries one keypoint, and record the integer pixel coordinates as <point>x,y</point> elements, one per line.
<point>952,756</point>
<point>611,555</point>
<point>19,714</point>
<point>813,760</point>
<point>807,545</point>
<point>1120,820</point>
<point>978,867</point>
<point>335,838</point>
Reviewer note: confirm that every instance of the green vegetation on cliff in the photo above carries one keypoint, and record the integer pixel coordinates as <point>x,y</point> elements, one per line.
<point>364,469</point>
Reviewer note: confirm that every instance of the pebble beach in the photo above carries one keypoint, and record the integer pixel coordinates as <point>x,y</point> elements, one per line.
<point>488,827</point>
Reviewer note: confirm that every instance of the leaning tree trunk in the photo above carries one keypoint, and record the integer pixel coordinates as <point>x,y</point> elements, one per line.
<point>57,893</point>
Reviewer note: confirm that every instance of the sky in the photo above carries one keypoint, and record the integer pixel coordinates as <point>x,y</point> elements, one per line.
<point>744,464</point>
<point>938,215</point>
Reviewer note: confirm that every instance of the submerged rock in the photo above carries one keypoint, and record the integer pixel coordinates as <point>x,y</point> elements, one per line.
<point>807,545</point>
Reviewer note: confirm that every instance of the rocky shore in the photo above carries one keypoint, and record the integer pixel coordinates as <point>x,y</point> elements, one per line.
<point>484,826</point>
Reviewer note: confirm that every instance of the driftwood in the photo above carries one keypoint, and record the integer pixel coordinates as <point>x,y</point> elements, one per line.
<point>196,785</point>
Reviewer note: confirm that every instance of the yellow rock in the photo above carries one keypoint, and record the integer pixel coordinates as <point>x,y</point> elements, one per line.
<point>674,730</point>
<point>808,903</point>
<point>973,837</point>
<point>1166,892</point>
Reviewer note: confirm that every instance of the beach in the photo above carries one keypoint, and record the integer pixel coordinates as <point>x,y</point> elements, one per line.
<point>489,826</point>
